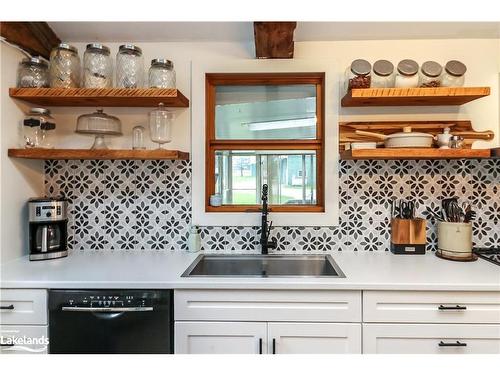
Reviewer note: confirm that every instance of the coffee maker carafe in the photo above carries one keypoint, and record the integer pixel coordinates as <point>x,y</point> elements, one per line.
<point>48,228</point>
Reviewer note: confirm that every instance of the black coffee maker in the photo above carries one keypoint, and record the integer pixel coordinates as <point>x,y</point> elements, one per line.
<point>48,228</point>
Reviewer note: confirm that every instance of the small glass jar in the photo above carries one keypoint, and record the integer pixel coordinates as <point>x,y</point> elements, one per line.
<point>358,75</point>
<point>33,123</point>
<point>383,74</point>
<point>407,74</point>
<point>430,74</point>
<point>138,138</point>
<point>64,70</point>
<point>47,136</point>
<point>97,67</point>
<point>454,74</point>
<point>33,72</point>
<point>129,67</point>
<point>162,74</point>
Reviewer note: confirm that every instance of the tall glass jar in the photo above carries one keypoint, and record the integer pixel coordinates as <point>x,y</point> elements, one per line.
<point>33,72</point>
<point>129,67</point>
<point>64,70</point>
<point>407,74</point>
<point>32,126</point>
<point>358,75</point>
<point>47,137</point>
<point>162,74</point>
<point>97,66</point>
<point>160,125</point>
<point>454,74</point>
<point>383,74</point>
<point>430,74</point>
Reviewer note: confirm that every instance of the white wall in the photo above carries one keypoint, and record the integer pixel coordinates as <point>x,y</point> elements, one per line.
<point>20,179</point>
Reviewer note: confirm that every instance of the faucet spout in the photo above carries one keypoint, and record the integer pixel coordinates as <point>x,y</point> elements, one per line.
<point>265,242</point>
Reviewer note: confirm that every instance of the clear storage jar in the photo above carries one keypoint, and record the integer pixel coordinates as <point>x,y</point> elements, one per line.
<point>33,123</point>
<point>47,135</point>
<point>129,67</point>
<point>430,74</point>
<point>454,74</point>
<point>358,75</point>
<point>33,72</point>
<point>383,74</point>
<point>97,66</point>
<point>64,70</point>
<point>162,74</point>
<point>407,74</point>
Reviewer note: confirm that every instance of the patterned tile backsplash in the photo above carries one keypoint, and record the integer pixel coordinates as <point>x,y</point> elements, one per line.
<point>147,205</point>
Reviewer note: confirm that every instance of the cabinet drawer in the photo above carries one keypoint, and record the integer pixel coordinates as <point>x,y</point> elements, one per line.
<point>23,306</point>
<point>268,305</point>
<point>431,339</point>
<point>35,339</point>
<point>431,307</point>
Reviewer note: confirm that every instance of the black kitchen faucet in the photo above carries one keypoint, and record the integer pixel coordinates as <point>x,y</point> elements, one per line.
<point>265,242</point>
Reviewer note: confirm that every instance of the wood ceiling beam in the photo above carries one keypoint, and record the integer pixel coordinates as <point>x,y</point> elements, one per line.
<point>274,40</point>
<point>37,38</point>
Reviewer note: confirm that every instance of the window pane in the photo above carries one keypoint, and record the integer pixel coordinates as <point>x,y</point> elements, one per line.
<point>265,112</point>
<point>290,175</point>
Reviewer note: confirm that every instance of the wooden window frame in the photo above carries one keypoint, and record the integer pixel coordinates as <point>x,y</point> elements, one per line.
<point>212,144</point>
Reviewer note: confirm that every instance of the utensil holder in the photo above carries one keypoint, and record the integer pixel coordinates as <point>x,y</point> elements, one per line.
<point>455,240</point>
<point>408,236</point>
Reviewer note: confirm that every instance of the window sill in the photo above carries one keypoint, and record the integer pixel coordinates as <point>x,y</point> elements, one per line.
<point>252,208</point>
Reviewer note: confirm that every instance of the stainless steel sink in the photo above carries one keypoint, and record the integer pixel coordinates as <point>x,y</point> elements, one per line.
<point>263,266</point>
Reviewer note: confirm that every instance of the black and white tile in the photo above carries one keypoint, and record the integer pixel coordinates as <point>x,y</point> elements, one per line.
<point>126,204</point>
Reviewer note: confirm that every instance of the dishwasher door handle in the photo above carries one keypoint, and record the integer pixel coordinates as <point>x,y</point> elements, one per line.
<point>106,309</point>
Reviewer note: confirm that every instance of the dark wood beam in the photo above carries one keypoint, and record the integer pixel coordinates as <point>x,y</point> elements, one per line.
<point>37,38</point>
<point>274,40</point>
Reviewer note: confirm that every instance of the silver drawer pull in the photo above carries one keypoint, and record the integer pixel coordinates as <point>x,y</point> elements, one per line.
<point>456,307</point>
<point>107,309</point>
<point>457,343</point>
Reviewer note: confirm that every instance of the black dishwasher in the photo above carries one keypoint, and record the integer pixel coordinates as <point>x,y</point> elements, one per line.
<point>111,321</point>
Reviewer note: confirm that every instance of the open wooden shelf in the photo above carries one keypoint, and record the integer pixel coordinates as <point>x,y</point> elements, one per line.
<point>77,154</point>
<point>414,154</point>
<point>108,97</point>
<point>431,96</point>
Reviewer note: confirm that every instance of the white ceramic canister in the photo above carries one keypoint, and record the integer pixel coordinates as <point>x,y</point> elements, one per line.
<point>194,240</point>
<point>455,239</point>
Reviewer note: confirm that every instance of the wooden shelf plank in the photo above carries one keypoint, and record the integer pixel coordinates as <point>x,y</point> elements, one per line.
<point>414,154</point>
<point>431,96</point>
<point>77,154</point>
<point>108,97</point>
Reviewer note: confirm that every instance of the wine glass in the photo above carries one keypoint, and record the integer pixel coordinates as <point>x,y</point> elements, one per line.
<point>160,125</point>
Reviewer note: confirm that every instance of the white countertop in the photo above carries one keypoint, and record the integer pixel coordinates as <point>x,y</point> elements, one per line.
<point>163,269</point>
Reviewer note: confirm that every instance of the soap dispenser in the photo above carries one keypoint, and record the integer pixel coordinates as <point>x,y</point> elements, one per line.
<point>194,240</point>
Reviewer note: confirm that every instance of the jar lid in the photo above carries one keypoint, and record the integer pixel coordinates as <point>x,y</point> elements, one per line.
<point>408,67</point>
<point>35,60</point>
<point>68,47</point>
<point>131,48</point>
<point>383,68</point>
<point>48,126</point>
<point>39,111</point>
<point>99,47</point>
<point>455,68</point>
<point>163,62</point>
<point>361,67</point>
<point>432,69</point>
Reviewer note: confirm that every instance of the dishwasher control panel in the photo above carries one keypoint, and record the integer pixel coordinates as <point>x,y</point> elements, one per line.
<point>102,299</point>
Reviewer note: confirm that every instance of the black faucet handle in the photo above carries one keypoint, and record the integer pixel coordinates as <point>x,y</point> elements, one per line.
<point>269,227</point>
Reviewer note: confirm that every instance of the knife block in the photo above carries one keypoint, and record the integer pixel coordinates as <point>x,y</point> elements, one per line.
<point>408,236</point>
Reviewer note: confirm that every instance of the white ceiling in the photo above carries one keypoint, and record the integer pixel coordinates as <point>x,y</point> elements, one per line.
<point>243,31</point>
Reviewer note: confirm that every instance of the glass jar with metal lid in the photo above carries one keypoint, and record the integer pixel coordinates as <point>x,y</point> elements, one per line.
<point>129,67</point>
<point>383,74</point>
<point>454,74</point>
<point>33,122</point>
<point>358,75</point>
<point>97,66</point>
<point>33,72</point>
<point>430,74</point>
<point>407,74</point>
<point>64,70</point>
<point>162,74</point>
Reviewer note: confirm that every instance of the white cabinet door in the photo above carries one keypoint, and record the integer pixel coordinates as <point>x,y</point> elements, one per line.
<point>314,338</point>
<point>220,338</point>
<point>23,339</point>
<point>431,339</point>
